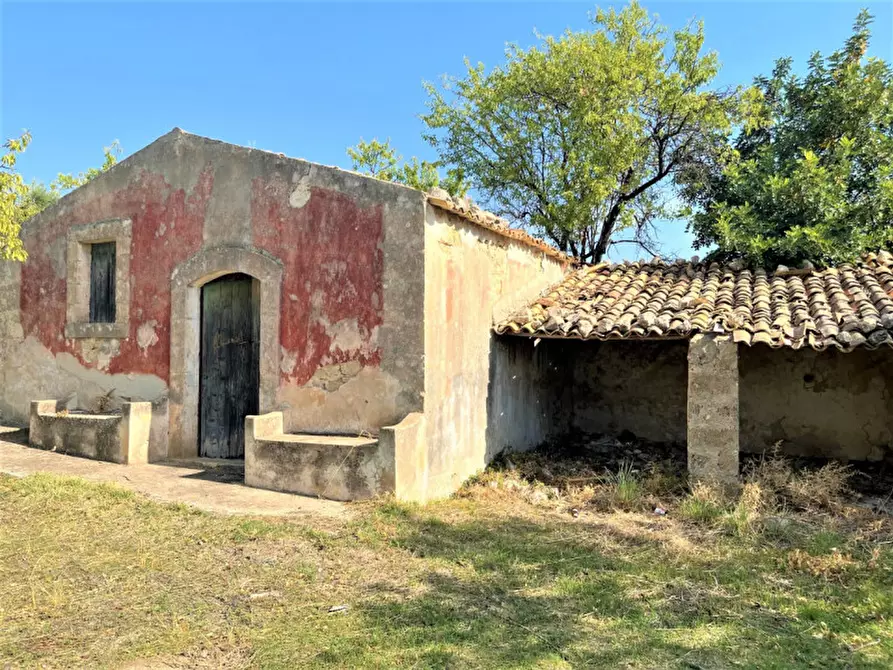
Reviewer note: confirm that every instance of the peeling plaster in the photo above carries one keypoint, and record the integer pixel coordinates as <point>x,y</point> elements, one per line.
<point>146,335</point>
<point>99,352</point>
<point>288,360</point>
<point>300,196</point>
<point>32,372</point>
<point>346,336</point>
<point>332,377</point>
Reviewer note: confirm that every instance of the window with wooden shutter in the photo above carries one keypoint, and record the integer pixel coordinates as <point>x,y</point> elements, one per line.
<point>102,282</point>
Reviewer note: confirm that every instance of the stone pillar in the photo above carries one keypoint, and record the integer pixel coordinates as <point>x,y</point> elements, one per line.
<point>136,424</point>
<point>713,409</point>
<point>259,427</point>
<point>39,407</point>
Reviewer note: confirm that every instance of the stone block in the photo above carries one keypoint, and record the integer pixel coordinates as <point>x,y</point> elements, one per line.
<point>404,446</point>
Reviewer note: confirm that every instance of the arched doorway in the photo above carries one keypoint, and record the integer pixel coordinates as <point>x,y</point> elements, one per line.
<point>187,281</point>
<point>229,368</point>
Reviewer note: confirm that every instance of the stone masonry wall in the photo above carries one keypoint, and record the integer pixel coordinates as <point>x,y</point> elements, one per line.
<point>640,387</point>
<point>817,403</point>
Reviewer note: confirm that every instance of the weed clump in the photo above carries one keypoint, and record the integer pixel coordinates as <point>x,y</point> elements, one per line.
<point>824,488</point>
<point>705,504</point>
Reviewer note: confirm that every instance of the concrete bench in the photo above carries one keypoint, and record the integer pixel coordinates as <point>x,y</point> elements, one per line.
<point>119,438</point>
<point>338,467</point>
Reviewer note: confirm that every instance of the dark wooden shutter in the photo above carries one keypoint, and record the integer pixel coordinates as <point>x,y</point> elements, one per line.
<point>102,282</point>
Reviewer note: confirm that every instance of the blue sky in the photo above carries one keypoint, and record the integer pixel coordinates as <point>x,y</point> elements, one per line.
<point>308,80</point>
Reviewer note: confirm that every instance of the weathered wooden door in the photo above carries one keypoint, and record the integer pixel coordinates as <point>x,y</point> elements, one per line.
<point>229,364</point>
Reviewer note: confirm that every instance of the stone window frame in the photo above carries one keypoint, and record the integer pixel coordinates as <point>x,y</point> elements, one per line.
<point>187,280</point>
<point>80,238</point>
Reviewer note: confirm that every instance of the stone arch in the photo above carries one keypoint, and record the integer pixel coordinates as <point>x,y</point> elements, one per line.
<point>186,282</point>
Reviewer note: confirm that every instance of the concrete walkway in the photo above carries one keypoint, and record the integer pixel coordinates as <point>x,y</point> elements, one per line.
<point>200,483</point>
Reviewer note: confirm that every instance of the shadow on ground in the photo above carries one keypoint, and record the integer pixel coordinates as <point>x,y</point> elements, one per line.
<point>512,592</point>
<point>14,435</point>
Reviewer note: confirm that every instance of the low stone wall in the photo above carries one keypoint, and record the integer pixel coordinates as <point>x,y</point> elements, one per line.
<point>119,438</point>
<point>328,466</point>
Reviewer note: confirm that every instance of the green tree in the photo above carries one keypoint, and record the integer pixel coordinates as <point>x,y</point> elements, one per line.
<point>20,201</point>
<point>581,137</point>
<point>14,205</point>
<point>810,175</point>
<point>380,159</point>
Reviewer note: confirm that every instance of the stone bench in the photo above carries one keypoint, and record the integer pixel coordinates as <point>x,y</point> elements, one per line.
<point>119,438</point>
<point>329,466</point>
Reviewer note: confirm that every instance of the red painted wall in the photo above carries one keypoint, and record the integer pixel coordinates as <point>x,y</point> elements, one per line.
<point>152,205</point>
<point>333,271</point>
<point>330,248</point>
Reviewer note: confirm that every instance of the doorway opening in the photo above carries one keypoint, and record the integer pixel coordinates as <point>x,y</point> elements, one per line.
<point>229,369</point>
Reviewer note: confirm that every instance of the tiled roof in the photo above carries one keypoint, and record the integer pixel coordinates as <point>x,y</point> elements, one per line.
<point>843,307</point>
<point>471,212</point>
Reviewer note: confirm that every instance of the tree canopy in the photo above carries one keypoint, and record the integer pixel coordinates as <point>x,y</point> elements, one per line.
<point>380,159</point>
<point>810,175</point>
<point>19,201</point>
<point>580,136</point>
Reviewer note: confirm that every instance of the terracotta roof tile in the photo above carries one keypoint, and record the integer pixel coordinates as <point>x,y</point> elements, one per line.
<point>844,307</point>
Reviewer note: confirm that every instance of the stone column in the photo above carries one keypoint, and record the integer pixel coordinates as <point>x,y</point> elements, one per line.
<point>136,424</point>
<point>713,409</point>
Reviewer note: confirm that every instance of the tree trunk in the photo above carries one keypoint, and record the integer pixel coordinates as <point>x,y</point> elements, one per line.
<point>604,238</point>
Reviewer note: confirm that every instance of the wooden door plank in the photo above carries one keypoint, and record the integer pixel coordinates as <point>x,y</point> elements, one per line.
<point>230,364</point>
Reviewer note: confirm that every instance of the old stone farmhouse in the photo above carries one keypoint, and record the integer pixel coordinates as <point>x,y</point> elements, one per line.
<point>349,337</point>
<point>216,281</point>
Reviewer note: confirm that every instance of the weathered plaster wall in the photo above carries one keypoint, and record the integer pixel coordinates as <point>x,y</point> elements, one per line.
<point>350,349</point>
<point>352,249</point>
<point>639,387</point>
<point>473,276</point>
<point>828,404</point>
<point>530,397</point>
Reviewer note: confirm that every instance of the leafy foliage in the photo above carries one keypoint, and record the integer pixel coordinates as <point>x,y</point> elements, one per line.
<point>579,136</point>
<point>380,159</point>
<point>810,175</point>
<point>14,205</point>
<point>20,201</point>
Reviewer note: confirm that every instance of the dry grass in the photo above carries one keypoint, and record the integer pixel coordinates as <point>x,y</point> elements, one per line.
<point>511,573</point>
<point>825,488</point>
